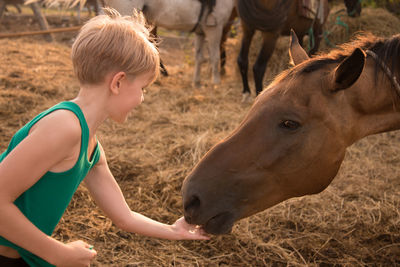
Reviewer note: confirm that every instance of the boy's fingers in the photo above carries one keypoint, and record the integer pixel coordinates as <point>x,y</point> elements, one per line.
<point>200,233</point>
<point>92,250</point>
<point>203,232</point>
<point>94,253</point>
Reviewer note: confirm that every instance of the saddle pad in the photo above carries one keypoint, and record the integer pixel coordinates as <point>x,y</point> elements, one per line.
<point>314,9</point>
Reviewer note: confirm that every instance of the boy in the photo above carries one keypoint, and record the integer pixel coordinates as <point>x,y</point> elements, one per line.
<point>48,157</point>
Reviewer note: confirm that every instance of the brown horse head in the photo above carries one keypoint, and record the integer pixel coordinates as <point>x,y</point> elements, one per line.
<point>293,140</point>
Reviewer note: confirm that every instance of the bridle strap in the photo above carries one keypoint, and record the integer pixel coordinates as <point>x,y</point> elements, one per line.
<point>386,69</point>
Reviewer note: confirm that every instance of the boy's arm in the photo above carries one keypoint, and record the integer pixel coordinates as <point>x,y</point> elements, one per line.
<point>108,196</point>
<point>48,144</point>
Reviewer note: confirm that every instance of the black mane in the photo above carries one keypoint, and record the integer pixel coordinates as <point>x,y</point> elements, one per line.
<point>387,50</point>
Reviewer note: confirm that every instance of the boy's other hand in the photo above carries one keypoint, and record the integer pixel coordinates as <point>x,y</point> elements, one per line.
<point>79,254</point>
<point>189,231</point>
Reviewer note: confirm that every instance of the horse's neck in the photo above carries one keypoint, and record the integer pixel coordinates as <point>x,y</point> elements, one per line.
<point>376,106</point>
<point>268,4</point>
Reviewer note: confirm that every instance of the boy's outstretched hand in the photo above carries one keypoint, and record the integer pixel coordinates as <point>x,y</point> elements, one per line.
<point>189,231</point>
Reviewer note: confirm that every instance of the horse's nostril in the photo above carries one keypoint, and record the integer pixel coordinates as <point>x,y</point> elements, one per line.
<point>188,219</point>
<point>191,205</point>
<point>190,208</point>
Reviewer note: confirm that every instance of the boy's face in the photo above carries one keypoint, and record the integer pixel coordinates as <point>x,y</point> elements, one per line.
<point>131,94</point>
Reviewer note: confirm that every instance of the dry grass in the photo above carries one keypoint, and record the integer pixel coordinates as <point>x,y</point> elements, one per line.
<point>354,222</point>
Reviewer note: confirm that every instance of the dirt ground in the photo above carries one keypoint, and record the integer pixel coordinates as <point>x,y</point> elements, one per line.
<point>354,222</point>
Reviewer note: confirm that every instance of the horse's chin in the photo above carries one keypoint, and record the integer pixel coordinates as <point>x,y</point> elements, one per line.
<point>220,224</point>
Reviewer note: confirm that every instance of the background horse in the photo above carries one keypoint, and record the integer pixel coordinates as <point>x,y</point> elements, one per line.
<point>208,22</point>
<point>293,140</point>
<point>274,18</point>
<point>91,5</point>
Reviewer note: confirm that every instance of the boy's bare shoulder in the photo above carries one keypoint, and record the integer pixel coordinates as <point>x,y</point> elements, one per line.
<point>59,125</point>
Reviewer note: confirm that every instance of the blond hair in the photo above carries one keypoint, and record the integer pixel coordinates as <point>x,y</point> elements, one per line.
<point>112,42</point>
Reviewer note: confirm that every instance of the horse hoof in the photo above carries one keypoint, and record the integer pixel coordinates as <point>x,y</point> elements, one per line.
<point>246,97</point>
<point>222,72</point>
<point>196,85</point>
<point>215,86</point>
<point>216,81</point>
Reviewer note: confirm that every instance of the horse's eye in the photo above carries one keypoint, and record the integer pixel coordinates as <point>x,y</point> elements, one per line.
<point>290,125</point>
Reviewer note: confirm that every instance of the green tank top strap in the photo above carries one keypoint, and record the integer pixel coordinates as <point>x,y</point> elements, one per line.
<point>68,105</point>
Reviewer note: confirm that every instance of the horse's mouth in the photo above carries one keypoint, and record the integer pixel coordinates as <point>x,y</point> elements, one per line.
<point>220,224</point>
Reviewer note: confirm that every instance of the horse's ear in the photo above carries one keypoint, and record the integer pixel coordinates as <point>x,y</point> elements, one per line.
<point>347,73</point>
<point>296,52</point>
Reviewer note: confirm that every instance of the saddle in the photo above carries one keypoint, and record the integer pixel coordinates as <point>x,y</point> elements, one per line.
<point>314,9</point>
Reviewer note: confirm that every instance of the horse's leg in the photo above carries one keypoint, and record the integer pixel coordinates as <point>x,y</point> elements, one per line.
<point>89,8</point>
<point>269,41</point>
<point>225,33</point>
<point>41,19</point>
<point>2,7</point>
<point>300,38</point>
<point>163,70</point>
<point>243,58</point>
<point>222,49</point>
<point>18,8</point>
<point>198,50</point>
<point>78,13</point>
<point>214,36</point>
<point>317,29</point>
<point>97,7</point>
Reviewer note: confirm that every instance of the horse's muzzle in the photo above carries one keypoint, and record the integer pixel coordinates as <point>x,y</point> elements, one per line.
<point>218,224</point>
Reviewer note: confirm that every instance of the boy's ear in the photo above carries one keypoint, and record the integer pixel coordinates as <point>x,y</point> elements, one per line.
<point>116,80</point>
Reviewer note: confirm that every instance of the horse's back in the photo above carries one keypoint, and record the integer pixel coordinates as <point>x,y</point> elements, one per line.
<point>184,14</point>
<point>125,7</point>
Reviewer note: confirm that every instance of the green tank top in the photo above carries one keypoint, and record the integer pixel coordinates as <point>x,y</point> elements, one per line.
<point>45,202</point>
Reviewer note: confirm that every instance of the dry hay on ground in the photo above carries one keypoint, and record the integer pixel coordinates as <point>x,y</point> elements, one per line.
<point>354,222</point>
